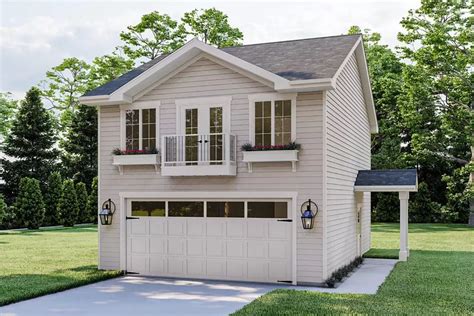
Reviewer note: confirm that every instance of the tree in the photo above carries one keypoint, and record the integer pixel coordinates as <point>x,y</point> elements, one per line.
<point>7,110</point>
<point>154,35</point>
<point>68,208</point>
<point>29,145</point>
<point>3,208</point>
<point>212,27</point>
<point>82,199</point>
<point>29,203</point>
<point>52,196</point>
<point>437,39</point>
<point>108,67</point>
<point>93,201</point>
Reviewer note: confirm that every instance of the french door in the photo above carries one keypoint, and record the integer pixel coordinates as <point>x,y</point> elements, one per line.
<point>203,129</point>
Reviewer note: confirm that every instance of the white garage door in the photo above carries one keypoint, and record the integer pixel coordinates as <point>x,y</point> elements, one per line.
<point>232,240</point>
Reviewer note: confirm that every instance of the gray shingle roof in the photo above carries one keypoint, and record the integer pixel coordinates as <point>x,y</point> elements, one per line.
<point>390,177</point>
<point>304,59</point>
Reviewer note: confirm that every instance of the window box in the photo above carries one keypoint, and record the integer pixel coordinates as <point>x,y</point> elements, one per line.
<point>136,160</point>
<point>271,156</point>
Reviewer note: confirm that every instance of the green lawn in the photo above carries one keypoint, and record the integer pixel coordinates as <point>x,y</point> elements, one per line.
<point>437,279</point>
<point>37,262</point>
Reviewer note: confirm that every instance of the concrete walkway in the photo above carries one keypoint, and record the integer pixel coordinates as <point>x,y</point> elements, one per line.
<point>133,295</point>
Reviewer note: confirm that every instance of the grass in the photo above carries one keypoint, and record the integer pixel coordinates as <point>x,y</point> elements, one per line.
<point>38,262</point>
<point>438,279</point>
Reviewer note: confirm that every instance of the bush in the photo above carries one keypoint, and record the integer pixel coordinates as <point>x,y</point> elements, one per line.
<point>341,273</point>
<point>81,192</point>
<point>52,195</point>
<point>92,202</point>
<point>3,208</point>
<point>29,204</point>
<point>67,207</point>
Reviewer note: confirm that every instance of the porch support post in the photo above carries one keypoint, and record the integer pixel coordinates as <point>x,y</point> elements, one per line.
<point>404,252</point>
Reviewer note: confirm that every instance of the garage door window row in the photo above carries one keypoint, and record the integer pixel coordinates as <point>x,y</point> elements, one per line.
<point>229,209</point>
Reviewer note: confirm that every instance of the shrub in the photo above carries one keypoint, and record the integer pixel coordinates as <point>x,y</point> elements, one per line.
<point>92,201</point>
<point>52,196</point>
<point>341,273</point>
<point>67,207</point>
<point>289,146</point>
<point>3,208</point>
<point>81,192</point>
<point>29,203</point>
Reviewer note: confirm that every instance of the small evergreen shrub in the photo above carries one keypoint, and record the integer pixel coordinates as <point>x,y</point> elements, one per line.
<point>81,192</point>
<point>3,208</point>
<point>68,208</point>
<point>52,196</point>
<point>338,275</point>
<point>92,201</point>
<point>29,204</point>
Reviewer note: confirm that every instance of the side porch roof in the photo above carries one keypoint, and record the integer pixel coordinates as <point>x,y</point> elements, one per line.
<point>390,180</point>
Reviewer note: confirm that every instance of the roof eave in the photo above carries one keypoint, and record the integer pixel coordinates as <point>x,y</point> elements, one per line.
<point>386,188</point>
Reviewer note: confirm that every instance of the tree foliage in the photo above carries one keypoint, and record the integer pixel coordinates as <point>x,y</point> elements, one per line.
<point>93,201</point>
<point>29,204</point>
<point>3,208</point>
<point>212,27</point>
<point>29,145</point>
<point>68,208</point>
<point>82,199</point>
<point>154,35</point>
<point>52,196</point>
<point>7,110</point>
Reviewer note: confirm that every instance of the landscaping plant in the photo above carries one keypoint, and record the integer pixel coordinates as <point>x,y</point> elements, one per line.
<point>92,201</point>
<point>29,204</point>
<point>52,196</point>
<point>68,207</point>
<point>82,199</point>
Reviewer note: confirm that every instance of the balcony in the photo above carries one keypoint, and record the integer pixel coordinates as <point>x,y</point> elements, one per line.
<point>199,155</point>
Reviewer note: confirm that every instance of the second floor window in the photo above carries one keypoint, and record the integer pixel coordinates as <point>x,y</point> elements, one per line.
<point>140,131</point>
<point>273,122</point>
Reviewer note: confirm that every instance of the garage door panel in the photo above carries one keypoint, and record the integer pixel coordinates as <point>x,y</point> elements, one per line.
<point>157,246</point>
<point>157,265</point>
<point>176,266</point>
<point>236,229</point>
<point>257,270</point>
<point>196,267</point>
<point>215,248</point>
<point>195,247</point>
<point>235,248</point>
<point>279,230</point>
<point>138,227</point>
<point>157,227</point>
<point>215,228</point>
<point>237,269</point>
<point>278,250</point>
<point>216,268</point>
<point>176,246</point>
<point>176,227</point>
<point>278,270</point>
<point>196,227</point>
<point>138,245</point>
<point>138,263</point>
<point>257,228</point>
<point>257,249</point>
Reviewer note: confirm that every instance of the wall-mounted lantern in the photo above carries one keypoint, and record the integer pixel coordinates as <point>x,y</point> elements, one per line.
<point>107,212</point>
<point>309,210</point>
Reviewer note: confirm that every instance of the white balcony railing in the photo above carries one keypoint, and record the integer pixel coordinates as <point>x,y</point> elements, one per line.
<point>199,155</point>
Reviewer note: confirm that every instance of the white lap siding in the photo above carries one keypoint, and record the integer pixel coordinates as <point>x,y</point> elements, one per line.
<point>348,150</point>
<point>207,78</point>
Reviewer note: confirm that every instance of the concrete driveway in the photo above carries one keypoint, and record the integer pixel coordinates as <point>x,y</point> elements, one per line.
<point>133,295</point>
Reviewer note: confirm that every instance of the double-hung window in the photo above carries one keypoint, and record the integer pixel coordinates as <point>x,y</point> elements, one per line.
<point>272,119</point>
<point>139,128</point>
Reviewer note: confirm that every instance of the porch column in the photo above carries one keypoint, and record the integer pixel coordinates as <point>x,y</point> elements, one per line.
<point>404,252</point>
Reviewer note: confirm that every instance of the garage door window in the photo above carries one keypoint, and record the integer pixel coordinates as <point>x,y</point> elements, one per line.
<point>186,209</point>
<point>148,208</point>
<point>225,209</point>
<point>267,209</point>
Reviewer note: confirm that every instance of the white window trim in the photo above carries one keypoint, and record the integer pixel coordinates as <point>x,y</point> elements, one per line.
<point>139,106</point>
<point>272,97</point>
<point>183,104</point>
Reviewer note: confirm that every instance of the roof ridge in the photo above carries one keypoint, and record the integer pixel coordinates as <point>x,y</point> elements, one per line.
<point>294,40</point>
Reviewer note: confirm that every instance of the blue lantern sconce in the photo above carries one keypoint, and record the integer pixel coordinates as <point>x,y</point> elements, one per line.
<point>309,210</point>
<point>107,212</point>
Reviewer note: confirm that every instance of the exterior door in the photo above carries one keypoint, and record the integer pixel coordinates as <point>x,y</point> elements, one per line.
<point>203,129</point>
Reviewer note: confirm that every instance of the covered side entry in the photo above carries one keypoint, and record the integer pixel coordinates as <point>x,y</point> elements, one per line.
<point>402,181</point>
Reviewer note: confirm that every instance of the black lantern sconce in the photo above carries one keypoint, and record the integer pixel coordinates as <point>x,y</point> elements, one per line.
<point>309,210</point>
<point>107,212</point>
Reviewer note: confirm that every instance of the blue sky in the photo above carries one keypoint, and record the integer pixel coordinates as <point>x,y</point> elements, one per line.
<point>37,35</point>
